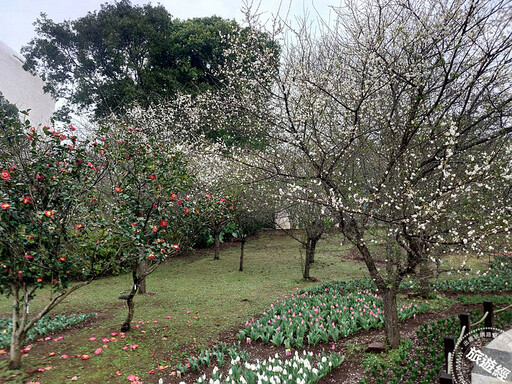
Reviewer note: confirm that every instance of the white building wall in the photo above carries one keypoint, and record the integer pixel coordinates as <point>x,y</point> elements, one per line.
<point>23,89</point>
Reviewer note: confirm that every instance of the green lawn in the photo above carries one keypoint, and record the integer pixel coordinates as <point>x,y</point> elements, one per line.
<point>216,294</point>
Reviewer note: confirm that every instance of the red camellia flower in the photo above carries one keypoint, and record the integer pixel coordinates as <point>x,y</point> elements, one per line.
<point>180,202</point>
<point>163,223</point>
<point>151,257</point>
<point>152,177</point>
<point>174,196</point>
<point>27,256</point>
<point>26,200</point>
<point>5,205</point>
<point>72,128</point>
<point>79,226</point>
<point>48,213</point>
<point>118,189</point>
<point>39,176</point>
<point>5,175</point>
<point>176,246</point>
<point>62,258</point>
<point>187,210</point>
<point>155,229</point>
<point>231,207</point>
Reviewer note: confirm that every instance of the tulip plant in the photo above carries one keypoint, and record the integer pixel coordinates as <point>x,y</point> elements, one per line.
<point>318,318</point>
<point>301,368</point>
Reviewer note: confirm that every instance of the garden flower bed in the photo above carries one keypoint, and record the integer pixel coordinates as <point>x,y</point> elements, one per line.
<point>304,368</point>
<point>43,327</point>
<point>320,318</point>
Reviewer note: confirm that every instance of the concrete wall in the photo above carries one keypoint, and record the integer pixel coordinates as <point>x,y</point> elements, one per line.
<point>22,89</point>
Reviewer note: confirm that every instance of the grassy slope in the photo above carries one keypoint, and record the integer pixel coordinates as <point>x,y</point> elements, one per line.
<point>211,290</point>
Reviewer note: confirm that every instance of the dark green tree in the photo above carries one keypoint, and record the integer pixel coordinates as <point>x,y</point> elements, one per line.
<point>7,109</point>
<point>123,55</point>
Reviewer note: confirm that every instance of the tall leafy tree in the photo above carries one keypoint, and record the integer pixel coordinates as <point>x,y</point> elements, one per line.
<point>124,54</point>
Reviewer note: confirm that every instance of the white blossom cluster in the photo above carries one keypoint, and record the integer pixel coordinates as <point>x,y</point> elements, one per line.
<point>299,369</point>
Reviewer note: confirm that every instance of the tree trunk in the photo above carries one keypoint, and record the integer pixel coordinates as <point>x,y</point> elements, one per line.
<point>17,335</point>
<point>15,351</point>
<point>217,245</point>
<point>313,250</point>
<point>391,326</point>
<point>242,245</point>
<point>142,269</point>
<point>424,279</point>
<point>129,302</point>
<point>307,263</point>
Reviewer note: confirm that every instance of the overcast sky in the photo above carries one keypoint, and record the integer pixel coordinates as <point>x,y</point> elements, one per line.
<point>17,16</point>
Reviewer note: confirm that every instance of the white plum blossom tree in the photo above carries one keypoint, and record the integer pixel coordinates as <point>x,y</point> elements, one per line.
<point>396,116</point>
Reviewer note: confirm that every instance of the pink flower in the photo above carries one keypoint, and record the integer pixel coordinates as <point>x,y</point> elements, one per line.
<point>98,351</point>
<point>85,357</point>
<point>64,356</point>
<point>113,334</point>
<point>74,378</point>
<point>118,372</point>
<point>92,338</point>
<point>105,340</point>
<point>169,317</point>
<point>155,321</point>
<point>188,312</point>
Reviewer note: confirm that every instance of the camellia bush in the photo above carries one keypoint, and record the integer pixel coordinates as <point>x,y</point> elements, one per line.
<point>46,177</point>
<point>151,214</point>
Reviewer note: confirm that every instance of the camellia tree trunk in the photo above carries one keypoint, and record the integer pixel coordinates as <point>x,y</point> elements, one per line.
<point>143,264</point>
<point>217,232</point>
<point>137,278</point>
<point>242,246</point>
<point>17,335</point>
<point>129,300</point>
